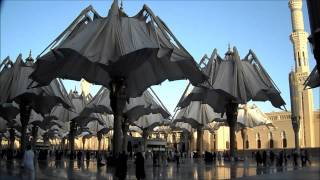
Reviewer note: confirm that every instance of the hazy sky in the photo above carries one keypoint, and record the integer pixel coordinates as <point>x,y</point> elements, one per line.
<point>200,26</point>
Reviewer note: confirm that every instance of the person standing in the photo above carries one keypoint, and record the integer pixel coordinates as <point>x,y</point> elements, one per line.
<point>264,158</point>
<point>28,162</point>
<point>140,172</point>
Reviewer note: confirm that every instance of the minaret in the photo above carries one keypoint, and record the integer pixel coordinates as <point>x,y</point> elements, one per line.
<point>299,39</point>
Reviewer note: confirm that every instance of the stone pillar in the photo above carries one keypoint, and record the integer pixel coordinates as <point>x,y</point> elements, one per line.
<point>200,141</point>
<point>25,111</point>
<point>296,128</point>
<point>232,112</point>
<point>117,101</point>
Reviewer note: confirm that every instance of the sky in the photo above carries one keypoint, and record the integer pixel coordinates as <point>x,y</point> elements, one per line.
<point>262,25</point>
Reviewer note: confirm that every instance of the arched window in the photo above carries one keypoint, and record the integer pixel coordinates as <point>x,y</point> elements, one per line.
<point>258,140</point>
<point>271,144</point>
<point>284,139</point>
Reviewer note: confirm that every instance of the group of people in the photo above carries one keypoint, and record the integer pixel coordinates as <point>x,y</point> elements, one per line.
<point>269,158</point>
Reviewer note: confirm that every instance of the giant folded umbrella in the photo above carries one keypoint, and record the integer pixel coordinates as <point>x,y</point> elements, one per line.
<point>149,121</point>
<point>133,109</point>
<point>198,115</point>
<point>181,126</point>
<point>313,79</point>
<point>15,88</point>
<point>233,81</point>
<point>125,54</point>
<point>140,49</point>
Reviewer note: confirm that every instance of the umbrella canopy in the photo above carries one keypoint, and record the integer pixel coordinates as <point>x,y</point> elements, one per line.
<point>196,114</point>
<point>234,80</point>
<point>134,108</point>
<point>313,79</point>
<point>249,116</point>
<point>133,128</point>
<point>139,49</point>
<point>15,87</point>
<point>96,127</point>
<point>9,110</point>
<point>182,126</point>
<point>149,121</point>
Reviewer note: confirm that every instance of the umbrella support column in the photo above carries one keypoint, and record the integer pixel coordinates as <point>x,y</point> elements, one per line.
<point>11,144</point>
<point>117,101</point>
<point>244,135</point>
<point>71,139</point>
<point>186,142</point>
<point>12,138</point>
<point>145,138</point>
<point>25,111</point>
<point>231,112</point>
<point>99,136</point>
<point>34,136</point>
<point>125,128</point>
<point>83,142</point>
<point>200,141</point>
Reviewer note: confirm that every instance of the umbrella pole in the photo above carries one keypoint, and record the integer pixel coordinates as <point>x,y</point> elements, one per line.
<point>200,141</point>
<point>117,101</point>
<point>34,136</point>
<point>145,138</point>
<point>11,143</point>
<point>244,139</point>
<point>231,112</point>
<point>71,139</point>
<point>99,136</point>
<point>125,127</point>
<point>25,111</point>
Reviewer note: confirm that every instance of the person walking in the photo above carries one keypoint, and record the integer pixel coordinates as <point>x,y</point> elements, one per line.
<point>140,172</point>
<point>258,158</point>
<point>28,163</point>
<point>307,157</point>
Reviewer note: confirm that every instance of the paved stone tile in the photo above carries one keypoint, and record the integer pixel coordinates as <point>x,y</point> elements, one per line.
<point>188,169</point>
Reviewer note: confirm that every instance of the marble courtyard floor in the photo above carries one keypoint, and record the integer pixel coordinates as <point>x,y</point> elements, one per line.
<point>188,169</point>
